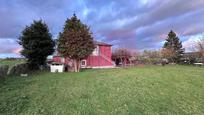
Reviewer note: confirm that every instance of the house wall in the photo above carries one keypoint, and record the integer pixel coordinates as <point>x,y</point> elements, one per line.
<point>59,59</point>
<point>103,59</point>
<point>94,61</point>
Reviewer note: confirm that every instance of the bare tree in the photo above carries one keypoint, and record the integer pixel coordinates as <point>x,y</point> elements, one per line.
<point>199,48</point>
<point>151,56</point>
<point>167,54</point>
<point>152,53</point>
<point>121,56</point>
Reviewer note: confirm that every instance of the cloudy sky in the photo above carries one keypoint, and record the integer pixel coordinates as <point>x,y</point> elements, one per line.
<point>134,24</point>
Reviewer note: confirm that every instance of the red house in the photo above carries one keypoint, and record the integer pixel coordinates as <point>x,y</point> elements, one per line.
<point>100,57</point>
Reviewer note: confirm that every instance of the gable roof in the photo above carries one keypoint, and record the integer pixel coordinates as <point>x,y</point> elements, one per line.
<point>101,43</point>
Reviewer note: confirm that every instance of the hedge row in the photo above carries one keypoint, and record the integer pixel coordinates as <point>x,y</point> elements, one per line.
<point>15,70</point>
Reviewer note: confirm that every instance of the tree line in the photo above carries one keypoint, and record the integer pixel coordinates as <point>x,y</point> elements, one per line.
<point>172,51</point>
<point>75,42</point>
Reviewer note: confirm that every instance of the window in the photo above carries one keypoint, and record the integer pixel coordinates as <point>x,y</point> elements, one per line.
<point>83,63</point>
<point>62,60</point>
<point>96,51</point>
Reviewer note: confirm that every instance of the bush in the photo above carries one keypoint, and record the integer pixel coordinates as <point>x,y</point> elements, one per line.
<point>3,70</point>
<point>151,61</point>
<point>18,69</point>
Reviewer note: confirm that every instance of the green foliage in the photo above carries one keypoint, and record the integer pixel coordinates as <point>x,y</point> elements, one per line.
<point>75,42</point>
<point>148,90</point>
<point>150,57</point>
<point>37,44</point>
<point>3,70</point>
<point>174,44</point>
<point>11,62</point>
<point>18,69</point>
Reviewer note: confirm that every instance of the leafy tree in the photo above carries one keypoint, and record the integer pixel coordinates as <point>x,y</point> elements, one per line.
<point>37,44</point>
<point>174,45</point>
<point>76,41</point>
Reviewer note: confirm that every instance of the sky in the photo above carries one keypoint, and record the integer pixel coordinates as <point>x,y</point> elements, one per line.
<point>134,24</point>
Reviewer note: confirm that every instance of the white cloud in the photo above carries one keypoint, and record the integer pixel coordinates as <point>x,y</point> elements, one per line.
<point>191,41</point>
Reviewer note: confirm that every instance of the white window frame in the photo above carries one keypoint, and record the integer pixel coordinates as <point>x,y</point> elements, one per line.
<point>96,51</point>
<point>82,63</point>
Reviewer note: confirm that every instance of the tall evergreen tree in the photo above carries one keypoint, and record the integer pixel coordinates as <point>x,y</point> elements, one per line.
<point>175,45</point>
<point>76,41</point>
<point>37,44</point>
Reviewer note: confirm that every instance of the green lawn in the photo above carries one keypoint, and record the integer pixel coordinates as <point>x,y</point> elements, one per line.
<point>152,90</point>
<point>11,62</point>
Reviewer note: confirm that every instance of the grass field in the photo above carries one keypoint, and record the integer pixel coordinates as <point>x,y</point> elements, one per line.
<point>151,90</point>
<point>11,62</point>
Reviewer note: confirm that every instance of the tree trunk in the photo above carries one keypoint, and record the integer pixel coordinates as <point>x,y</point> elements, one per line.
<point>78,65</point>
<point>121,61</point>
<point>75,65</point>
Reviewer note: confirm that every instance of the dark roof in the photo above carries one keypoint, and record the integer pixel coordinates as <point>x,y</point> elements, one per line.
<point>101,43</point>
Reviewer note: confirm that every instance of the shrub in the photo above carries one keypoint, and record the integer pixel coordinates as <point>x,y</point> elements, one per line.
<point>3,70</point>
<point>18,69</point>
